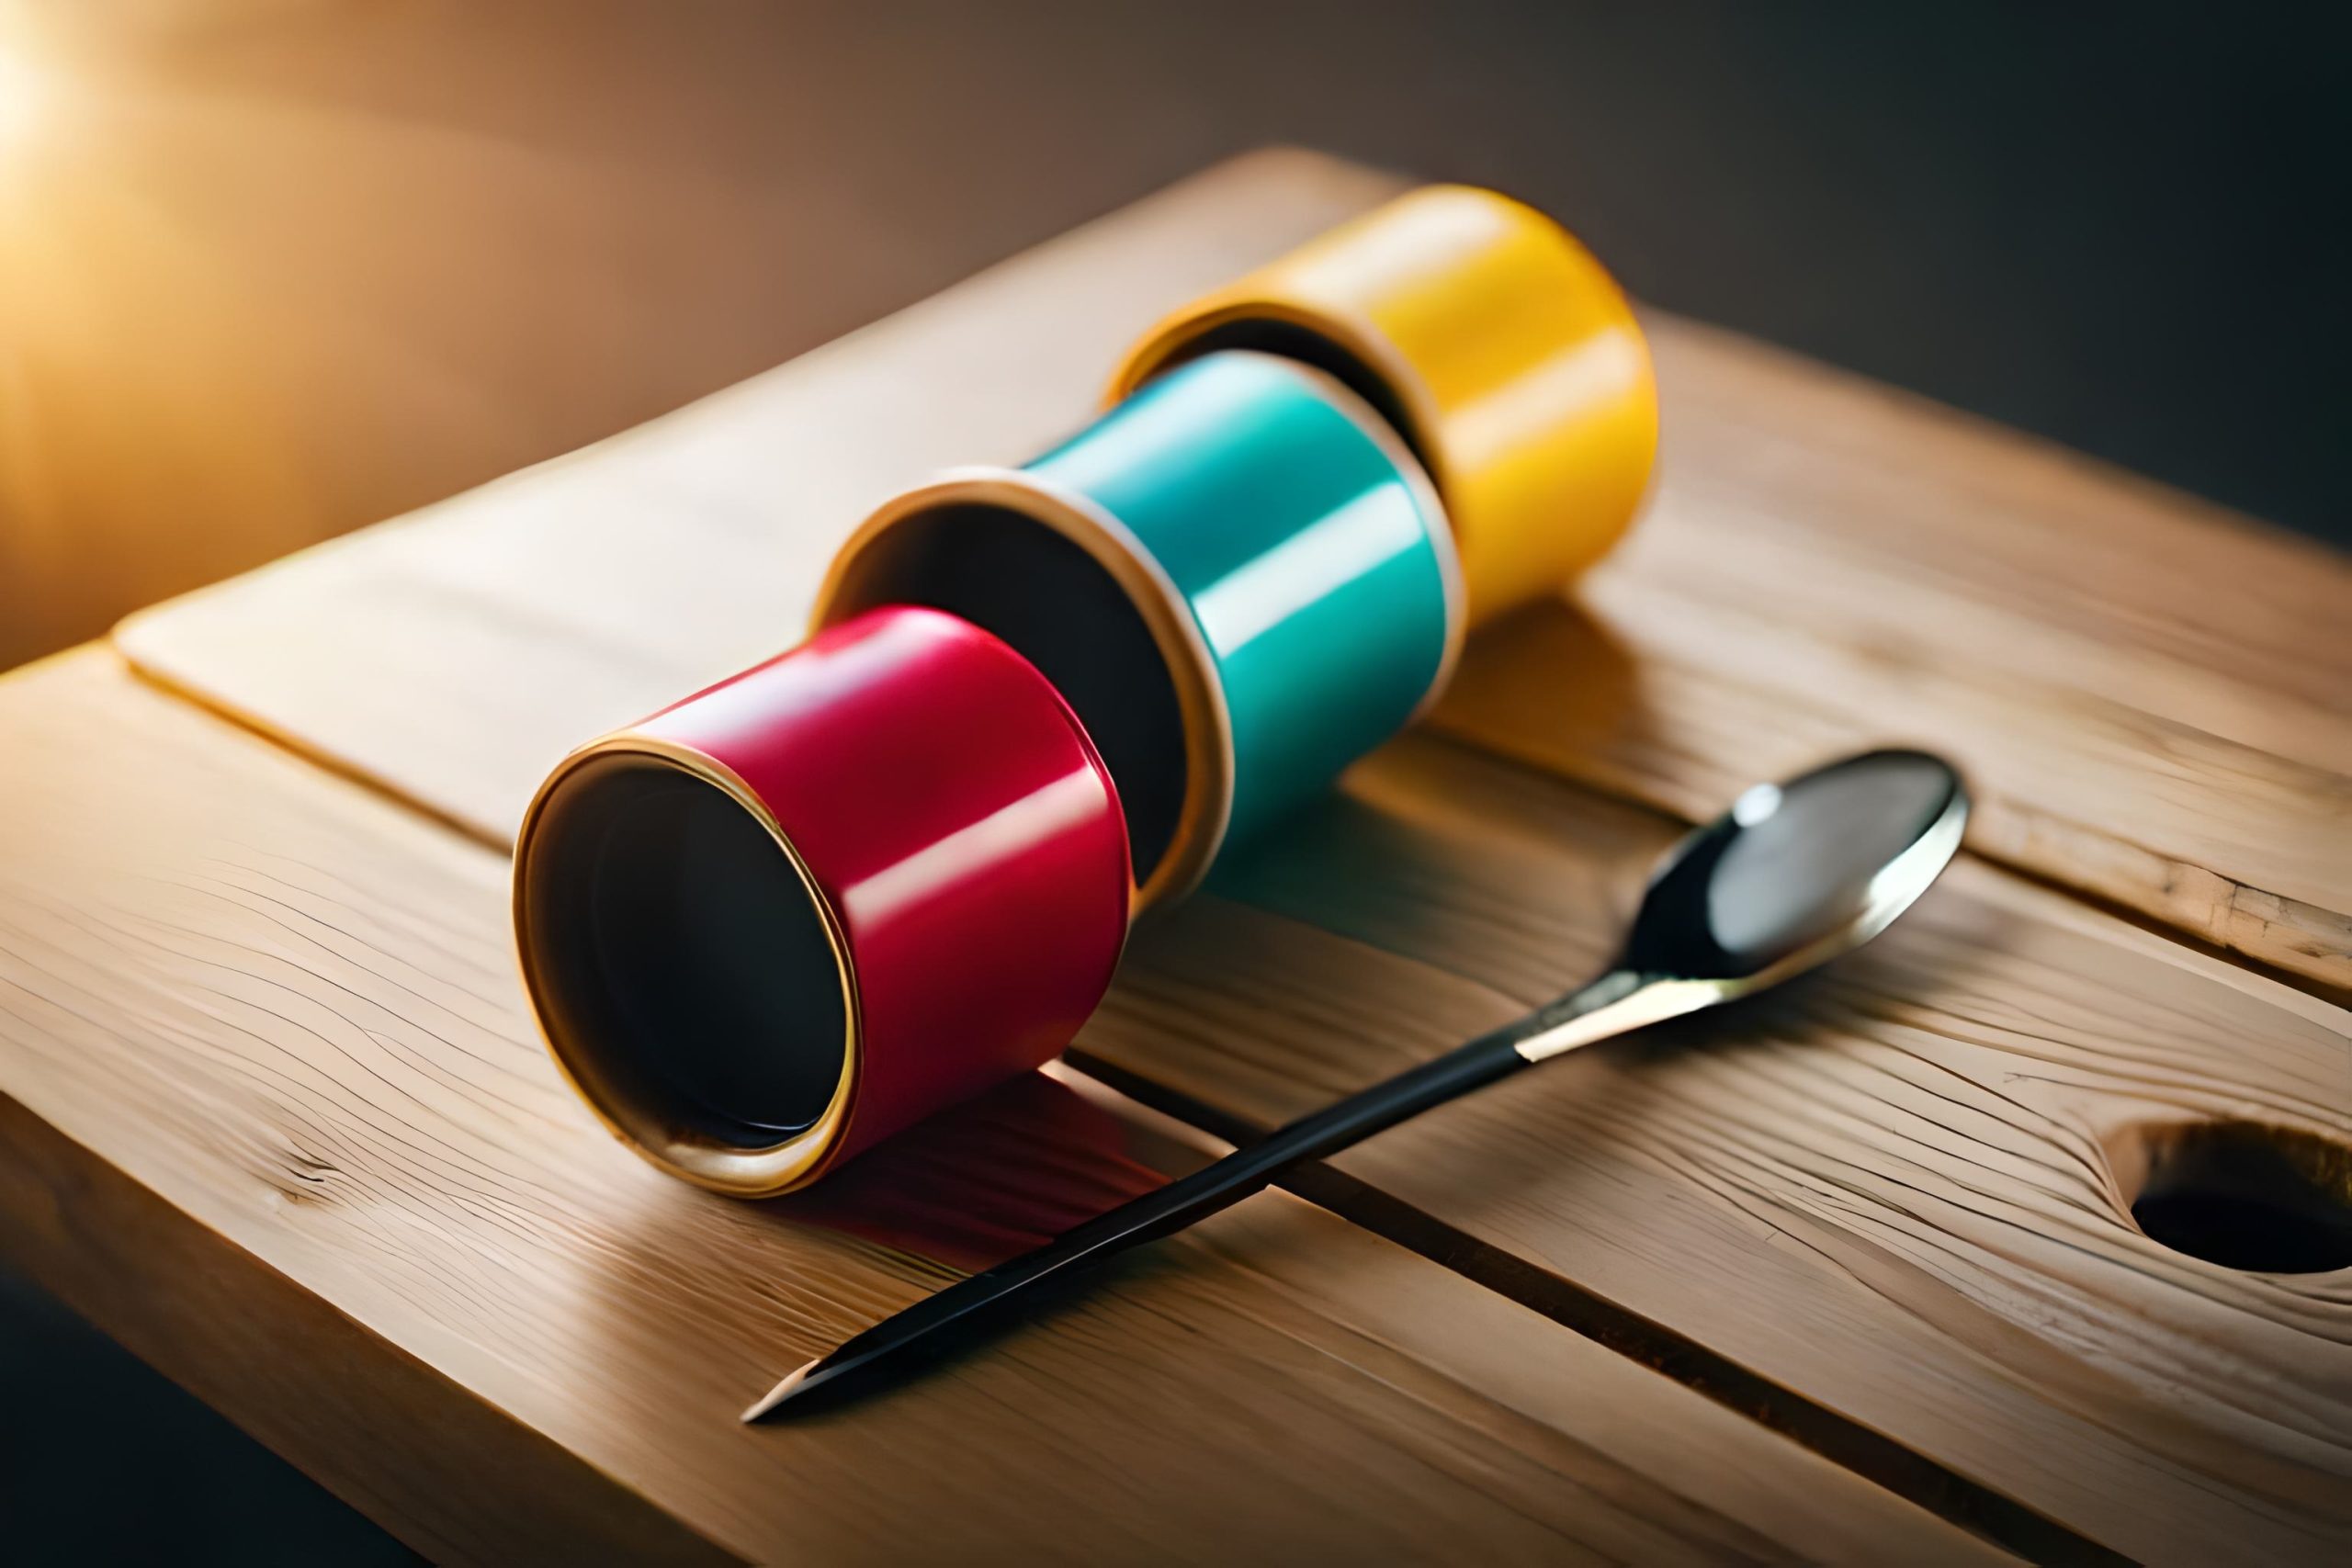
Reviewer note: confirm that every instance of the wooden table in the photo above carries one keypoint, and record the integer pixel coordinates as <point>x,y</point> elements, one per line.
<point>1850,1275</point>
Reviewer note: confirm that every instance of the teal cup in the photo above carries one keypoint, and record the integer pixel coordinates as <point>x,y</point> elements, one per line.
<point>1239,578</point>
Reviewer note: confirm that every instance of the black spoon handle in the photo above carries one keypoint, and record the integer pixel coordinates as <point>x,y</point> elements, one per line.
<point>964,1305</point>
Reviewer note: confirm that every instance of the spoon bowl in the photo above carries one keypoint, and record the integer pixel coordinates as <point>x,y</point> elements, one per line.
<point>1795,873</point>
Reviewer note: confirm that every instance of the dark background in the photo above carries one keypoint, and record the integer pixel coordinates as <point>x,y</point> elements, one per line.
<point>396,247</point>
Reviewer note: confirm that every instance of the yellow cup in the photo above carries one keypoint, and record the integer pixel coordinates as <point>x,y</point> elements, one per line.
<point>1503,353</point>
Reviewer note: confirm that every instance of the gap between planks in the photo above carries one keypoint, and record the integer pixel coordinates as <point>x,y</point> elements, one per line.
<point>1843,1442</point>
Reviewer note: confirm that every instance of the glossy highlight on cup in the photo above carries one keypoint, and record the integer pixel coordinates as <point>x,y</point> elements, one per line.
<point>784,918</point>
<point>1239,578</point>
<point>1499,349</point>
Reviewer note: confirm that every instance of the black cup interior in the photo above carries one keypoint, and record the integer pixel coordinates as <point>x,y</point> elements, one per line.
<point>1060,609</point>
<point>683,965</point>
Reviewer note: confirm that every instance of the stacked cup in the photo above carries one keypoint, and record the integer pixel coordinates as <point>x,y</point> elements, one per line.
<point>794,913</point>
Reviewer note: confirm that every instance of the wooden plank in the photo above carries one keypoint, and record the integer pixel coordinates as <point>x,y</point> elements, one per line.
<point>1909,1170</point>
<point>1899,1190</point>
<point>2155,697</point>
<point>273,1114</point>
<point>601,585</point>
<point>1917,1163</point>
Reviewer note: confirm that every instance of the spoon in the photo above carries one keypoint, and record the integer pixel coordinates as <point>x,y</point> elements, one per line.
<point>1793,876</point>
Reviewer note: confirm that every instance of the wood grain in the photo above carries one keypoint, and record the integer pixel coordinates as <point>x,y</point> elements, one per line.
<point>1895,1195</point>
<point>2155,696</point>
<point>606,585</point>
<point>274,1115</point>
<point>1897,1189</point>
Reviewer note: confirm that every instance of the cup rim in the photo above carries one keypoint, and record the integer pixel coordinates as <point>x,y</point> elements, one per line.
<point>1338,307</point>
<point>738,1171</point>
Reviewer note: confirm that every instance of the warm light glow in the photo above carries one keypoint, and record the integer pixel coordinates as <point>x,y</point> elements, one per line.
<point>22,92</point>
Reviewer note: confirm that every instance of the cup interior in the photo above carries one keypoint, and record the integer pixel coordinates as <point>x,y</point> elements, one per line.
<point>682,964</point>
<point>1052,601</point>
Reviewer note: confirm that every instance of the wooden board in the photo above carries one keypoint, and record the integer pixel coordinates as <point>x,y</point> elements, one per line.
<point>271,1112</point>
<point>2156,698</point>
<point>1894,1202</point>
<point>603,585</point>
<point>1898,1193</point>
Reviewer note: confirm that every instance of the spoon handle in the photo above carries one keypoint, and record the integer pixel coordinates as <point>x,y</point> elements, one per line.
<point>1217,1186</point>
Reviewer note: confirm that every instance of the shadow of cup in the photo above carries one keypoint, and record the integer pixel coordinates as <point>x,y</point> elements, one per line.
<point>991,1177</point>
<point>1550,684</point>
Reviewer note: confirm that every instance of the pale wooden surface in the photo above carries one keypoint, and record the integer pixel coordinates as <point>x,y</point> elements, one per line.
<point>271,1109</point>
<point>2153,697</point>
<point>1889,1197</point>
<point>1892,1192</point>
<point>2156,698</point>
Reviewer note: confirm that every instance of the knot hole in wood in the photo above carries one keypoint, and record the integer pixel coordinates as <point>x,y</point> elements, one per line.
<point>2244,1194</point>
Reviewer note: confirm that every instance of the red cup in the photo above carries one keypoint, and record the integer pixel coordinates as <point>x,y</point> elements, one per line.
<point>781,919</point>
